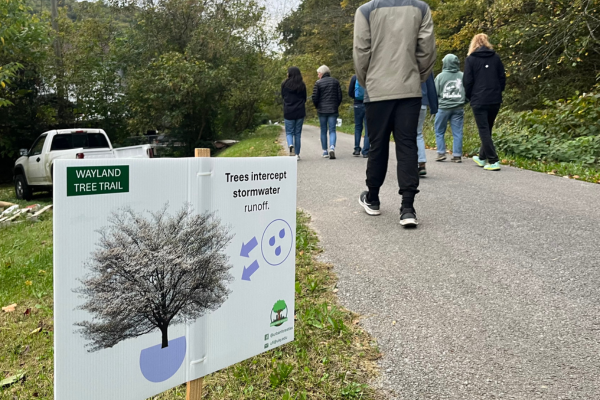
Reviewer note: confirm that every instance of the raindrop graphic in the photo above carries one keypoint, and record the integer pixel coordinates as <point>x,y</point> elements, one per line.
<point>272,241</point>
<point>278,250</point>
<point>282,233</point>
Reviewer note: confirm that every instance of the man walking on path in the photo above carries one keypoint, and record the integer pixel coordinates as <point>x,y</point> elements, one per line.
<point>327,97</point>
<point>394,52</point>
<point>452,98</point>
<point>357,92</point>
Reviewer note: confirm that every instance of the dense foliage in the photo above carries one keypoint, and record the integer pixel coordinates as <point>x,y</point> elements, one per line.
<point>192,70</point>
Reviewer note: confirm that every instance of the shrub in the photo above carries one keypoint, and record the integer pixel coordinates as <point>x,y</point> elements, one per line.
<point>566,131</point>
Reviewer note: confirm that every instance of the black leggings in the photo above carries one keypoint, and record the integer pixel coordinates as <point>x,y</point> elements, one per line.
<point>485,116</point>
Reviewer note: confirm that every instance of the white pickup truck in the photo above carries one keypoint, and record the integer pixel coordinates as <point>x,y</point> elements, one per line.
<point>33,171</point>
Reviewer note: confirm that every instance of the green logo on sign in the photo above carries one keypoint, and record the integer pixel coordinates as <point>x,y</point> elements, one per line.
<point>85,181</point>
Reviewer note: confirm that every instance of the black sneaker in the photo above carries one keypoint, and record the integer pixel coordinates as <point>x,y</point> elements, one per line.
<point>356,152</point>
<point>440,157</point>
<point>332,154</point>
<point>456,159</point>
<point>366,155</point>
<point>292,151</point>
<point>370,208</point>
<point>422,170</point>
<point>408,218</point>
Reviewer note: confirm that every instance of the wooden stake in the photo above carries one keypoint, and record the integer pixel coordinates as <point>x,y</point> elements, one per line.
<point>194,388</point>
<point>202,153</point>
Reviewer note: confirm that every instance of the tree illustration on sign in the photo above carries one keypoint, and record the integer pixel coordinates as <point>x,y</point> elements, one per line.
<point>279,308</point>
<point>151,273</point>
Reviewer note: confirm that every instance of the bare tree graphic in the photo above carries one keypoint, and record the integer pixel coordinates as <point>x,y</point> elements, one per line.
<point>149,273</point>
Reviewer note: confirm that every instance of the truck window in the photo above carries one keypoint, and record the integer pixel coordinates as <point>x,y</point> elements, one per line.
<point>79,140</point>
<point>37,147</point>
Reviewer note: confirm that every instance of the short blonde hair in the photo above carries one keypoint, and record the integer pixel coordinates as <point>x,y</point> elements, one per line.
<point>479,40</point>
<point>323,69</point>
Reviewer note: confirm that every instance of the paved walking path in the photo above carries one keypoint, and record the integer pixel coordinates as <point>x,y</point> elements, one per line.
<point>496,295</point>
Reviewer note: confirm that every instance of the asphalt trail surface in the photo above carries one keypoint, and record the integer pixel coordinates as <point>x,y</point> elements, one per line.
<point>496,295</point>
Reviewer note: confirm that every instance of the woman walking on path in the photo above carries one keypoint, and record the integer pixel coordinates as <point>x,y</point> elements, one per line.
<point>293,91</point>
<point>484,80</point>
<point>451,96</point>
<point>327,96</point>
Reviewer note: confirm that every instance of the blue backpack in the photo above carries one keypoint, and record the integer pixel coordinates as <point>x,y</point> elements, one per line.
<point>359,92</point>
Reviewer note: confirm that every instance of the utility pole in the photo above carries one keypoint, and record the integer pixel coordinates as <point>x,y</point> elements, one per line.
<point>58,55</point>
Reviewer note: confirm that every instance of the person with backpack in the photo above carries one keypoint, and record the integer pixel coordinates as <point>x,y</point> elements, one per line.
<point>394,52</point>
<point>430,100</point>
<point>293,92</point>
<point>452,98</point>
<point>484,80</point>
<point>327,97</point>
<point>356,92</point>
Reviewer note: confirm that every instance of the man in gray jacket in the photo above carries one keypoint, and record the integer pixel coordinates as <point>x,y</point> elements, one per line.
<point>394,52</point>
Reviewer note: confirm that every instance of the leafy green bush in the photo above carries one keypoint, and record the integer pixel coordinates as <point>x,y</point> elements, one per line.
<point>566,131</point>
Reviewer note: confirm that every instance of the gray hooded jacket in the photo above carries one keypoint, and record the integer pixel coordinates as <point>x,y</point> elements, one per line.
<point>449,84</point>
<point>394,48</point>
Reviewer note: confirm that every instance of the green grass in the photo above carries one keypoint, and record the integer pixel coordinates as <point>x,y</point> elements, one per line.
<point>330,358</point>
<point>262,143</point>
<point>26,279</point>
<point>471,144</point>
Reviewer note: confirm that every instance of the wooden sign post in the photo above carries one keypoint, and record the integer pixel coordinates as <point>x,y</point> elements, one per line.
<point>194,388</point>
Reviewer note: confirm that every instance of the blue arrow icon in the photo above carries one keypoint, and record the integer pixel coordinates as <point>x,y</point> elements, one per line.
<point>248,247</point>
<point>248,272</point>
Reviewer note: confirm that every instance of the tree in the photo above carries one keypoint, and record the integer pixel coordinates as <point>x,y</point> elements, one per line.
<point>279,307</point>
<point>151,273</point>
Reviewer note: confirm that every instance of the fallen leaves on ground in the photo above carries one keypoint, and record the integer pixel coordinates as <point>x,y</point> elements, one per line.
<point>10,308</point>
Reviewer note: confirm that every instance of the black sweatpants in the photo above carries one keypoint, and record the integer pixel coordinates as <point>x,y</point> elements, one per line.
<point>401,118</point>
<point>485,116</point>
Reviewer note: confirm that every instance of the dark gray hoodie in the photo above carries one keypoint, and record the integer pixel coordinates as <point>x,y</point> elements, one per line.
<point>449,84</point>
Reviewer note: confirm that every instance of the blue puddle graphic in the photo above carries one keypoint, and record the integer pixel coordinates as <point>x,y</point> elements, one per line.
<point>158,364</point>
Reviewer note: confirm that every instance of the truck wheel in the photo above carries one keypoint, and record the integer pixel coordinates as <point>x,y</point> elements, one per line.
<point>22,189</point>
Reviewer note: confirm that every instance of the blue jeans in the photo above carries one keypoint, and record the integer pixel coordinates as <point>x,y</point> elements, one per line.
<point>331,120</point>
<point>293,131</point>
<point>420,140</point>
<point>359,121</point>
<point>456,117</point>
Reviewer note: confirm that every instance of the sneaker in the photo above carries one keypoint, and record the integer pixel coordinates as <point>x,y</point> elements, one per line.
<point>408,218</point>
<point>297,156</point>
<point>370,208</point>
<point>479,161</point>
<point>440,157</point>
<point>325,154</point>
<point>332,153</point>
<point>492,167</point>
<point>356,152</point>
<point>422,170</point>
<point>456,159</point>
<point>292,151</point>
<point>366,155</point>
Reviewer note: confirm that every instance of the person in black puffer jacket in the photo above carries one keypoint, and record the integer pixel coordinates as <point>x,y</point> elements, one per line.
<point>327,97</point>
<point>484,80</point>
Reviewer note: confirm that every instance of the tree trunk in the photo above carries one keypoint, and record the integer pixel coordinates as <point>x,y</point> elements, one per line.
<point>165,337</point>
<point>278,315</point>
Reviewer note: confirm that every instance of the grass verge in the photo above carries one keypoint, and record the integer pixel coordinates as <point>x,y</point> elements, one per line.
<point>471,144</point>
<point>26,334</point>
<point>262,143</point>
<point>331,357</point>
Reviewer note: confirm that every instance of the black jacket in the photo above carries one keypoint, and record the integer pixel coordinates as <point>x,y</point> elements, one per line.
<point>327,95</point>
<point>484,77</point>
<point>351,91</point>
<point>293,103</point>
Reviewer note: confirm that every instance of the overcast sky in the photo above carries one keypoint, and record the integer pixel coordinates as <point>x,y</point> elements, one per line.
<point>279,8</point>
